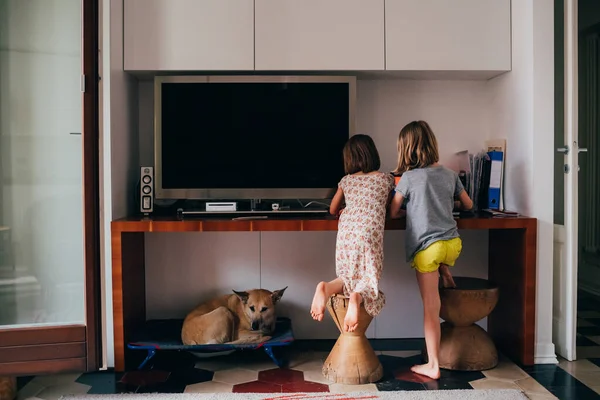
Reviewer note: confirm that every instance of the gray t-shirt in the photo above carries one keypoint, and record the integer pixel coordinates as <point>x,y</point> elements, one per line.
<point>429,197</point>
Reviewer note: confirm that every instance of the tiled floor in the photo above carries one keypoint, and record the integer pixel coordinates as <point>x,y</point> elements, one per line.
<point>586,370</point>
<point>255,372</point>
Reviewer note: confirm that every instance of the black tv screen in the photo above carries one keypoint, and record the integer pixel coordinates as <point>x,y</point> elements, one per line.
<point>253,135</point>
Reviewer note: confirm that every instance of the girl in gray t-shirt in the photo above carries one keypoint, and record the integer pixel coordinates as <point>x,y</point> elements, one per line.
<point>432,240</point>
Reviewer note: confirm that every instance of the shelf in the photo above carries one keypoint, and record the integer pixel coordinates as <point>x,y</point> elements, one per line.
<point>290,224</point>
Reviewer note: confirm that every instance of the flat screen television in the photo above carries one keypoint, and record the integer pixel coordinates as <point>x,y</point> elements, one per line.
<point>251,137</point>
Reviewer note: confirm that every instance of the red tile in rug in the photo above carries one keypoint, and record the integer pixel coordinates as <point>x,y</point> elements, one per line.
<point>144,378</point>
<point>281,376</point>
<point>257,387</point>
<point>407,375</point>
<point>304,387</point>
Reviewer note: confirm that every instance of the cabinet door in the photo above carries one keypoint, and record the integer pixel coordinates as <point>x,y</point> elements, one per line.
<point>319,35</point>
<point>444,35</point>
<point>188,35</point>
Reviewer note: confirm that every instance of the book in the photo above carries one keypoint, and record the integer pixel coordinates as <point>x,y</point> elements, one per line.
<point>495,182</point>
<point>498,145</point>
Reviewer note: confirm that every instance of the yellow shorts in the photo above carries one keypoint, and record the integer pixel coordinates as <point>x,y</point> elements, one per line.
<point>442,252</point>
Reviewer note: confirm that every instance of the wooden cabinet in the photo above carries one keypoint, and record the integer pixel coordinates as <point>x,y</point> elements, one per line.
<point>180,35</point>
<point>320,35</point>
<point>443,35</point>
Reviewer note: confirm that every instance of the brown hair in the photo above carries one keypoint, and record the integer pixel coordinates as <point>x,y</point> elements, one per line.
<point>417,147</point>
<point>361,155</point>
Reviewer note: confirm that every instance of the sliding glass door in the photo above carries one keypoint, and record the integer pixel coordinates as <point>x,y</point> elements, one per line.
<point>45,179</point>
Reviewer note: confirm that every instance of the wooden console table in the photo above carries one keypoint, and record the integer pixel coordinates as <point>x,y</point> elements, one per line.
<point>512,266</point>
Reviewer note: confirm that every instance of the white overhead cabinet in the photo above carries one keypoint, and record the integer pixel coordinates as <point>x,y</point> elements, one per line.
<point>320,35</point>
<point>448,35</point>
<point>188,35</point>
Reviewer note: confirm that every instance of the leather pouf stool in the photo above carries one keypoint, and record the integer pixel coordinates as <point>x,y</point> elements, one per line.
<point>465,346</point>
<point>352,360</point>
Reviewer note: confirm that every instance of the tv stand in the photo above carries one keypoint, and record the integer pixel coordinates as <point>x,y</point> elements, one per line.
<point>512,266</point>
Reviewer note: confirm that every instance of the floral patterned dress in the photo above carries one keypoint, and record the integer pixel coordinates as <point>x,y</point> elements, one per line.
<point>359,246</point>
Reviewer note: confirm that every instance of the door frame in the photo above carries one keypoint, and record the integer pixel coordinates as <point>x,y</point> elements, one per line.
<point>52,349</point>
<point>91,182</point>
<point>566,330</point>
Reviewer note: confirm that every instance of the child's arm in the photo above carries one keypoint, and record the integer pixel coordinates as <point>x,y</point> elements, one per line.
<point>396,210</point>
<point>465,201</point>
<point>337,202</point>
<point>392,191</point>
<point>463,197</point>
<point>389,200</point>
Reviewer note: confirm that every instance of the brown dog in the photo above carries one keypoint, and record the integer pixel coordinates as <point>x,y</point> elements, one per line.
<point>239,318</point>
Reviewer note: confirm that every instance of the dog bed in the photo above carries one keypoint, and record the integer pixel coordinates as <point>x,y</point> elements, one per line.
<point>165,334</point>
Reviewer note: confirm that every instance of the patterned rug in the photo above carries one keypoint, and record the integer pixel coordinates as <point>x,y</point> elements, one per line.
<point>403,395</point>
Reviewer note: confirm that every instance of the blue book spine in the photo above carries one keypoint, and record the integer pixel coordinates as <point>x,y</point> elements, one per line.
<point>497,159</point>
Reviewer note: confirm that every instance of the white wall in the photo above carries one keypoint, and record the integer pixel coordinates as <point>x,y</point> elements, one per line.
<point>119,144</point>
<point>184,269</point>
<point>123,121</point>
<point>516,106</point>
<point>522,109</point>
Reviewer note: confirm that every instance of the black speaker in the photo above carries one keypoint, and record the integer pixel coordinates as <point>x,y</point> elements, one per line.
<point>147,190</point>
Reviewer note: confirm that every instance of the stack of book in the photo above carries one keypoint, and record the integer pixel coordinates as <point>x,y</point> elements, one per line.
<point>481,175</point>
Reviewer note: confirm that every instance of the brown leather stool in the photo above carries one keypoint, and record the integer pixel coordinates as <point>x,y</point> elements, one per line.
<point>352,360</point>
<point>465,346</point>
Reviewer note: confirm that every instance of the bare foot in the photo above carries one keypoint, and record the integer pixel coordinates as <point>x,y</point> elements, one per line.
<point>351,320</point>
<point>427,370</point>
<point>317,310</point>
<point>447,280</point>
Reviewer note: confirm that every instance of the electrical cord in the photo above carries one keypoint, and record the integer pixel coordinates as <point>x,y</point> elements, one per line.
<point>312,202</point>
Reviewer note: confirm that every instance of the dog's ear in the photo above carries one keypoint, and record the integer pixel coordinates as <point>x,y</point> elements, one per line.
<point>277,294</point>
<point>243,296</point>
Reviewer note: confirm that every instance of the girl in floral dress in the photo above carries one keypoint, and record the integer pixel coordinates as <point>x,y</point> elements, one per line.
<point>359,247</point>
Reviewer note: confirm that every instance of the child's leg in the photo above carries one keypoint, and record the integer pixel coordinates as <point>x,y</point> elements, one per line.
<point>351,319</point>
<point>324,291</point>
<point>447,280</point>
<point>428,286</point>
<point>453,248</point>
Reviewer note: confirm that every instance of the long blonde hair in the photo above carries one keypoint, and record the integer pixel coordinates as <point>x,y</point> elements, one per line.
<point>417,147</point>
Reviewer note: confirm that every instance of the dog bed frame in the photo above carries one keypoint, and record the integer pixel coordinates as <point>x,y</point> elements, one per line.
<point>165,334</point>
